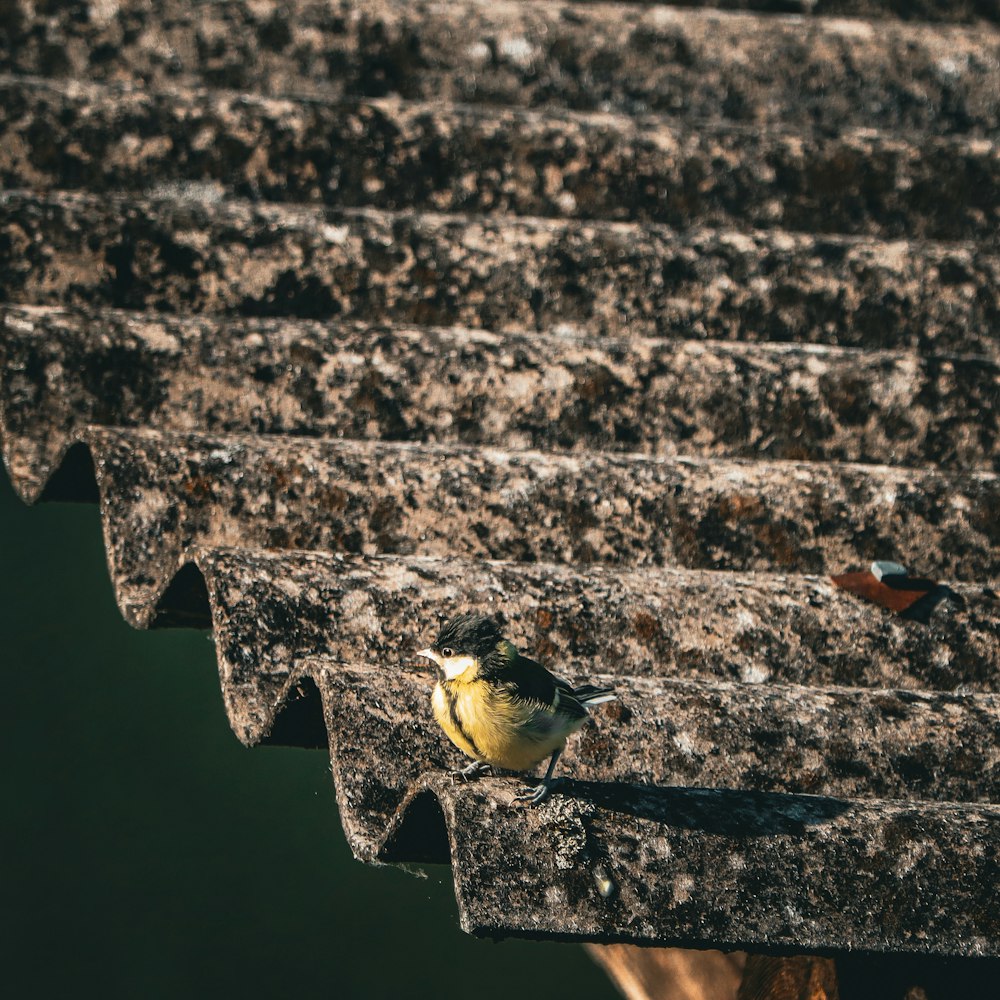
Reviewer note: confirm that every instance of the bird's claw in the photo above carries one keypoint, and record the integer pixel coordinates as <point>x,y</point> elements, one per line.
<point>473,770</point>
<point>532,796</point>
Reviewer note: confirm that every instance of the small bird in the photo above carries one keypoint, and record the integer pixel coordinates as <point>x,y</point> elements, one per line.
<point>501,708</point>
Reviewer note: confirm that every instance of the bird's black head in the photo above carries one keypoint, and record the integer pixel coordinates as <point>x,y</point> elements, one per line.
<point>469,634</point>
<point>463,644</point>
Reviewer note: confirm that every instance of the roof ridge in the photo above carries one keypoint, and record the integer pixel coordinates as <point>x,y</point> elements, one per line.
<point>644,121</point>
<point>555,224</point>
<point>557,335</point>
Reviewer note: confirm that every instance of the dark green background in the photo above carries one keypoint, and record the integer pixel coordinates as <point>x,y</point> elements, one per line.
<point>148,854</point>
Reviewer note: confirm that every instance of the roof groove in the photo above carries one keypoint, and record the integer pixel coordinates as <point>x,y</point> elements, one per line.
<point>84,101</point>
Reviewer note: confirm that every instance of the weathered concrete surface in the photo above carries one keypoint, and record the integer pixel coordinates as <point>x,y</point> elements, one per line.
<point>391,155</point>
<point>65,370</point>
<point>163,495</point>
<point>691,866</point>
<point>841,742</point>
<point>704,65</point>
<point>271,609</point>
<point>677,865</point>
<point>186,254</point>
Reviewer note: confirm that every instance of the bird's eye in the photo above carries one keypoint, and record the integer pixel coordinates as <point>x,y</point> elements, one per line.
<point>447,652</point>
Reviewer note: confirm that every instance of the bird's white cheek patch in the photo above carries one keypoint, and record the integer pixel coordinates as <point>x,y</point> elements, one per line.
<point>455,666</point>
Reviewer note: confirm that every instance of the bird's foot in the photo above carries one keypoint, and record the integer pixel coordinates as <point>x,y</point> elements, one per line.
<point>473,770</point>
<point>532,796</point>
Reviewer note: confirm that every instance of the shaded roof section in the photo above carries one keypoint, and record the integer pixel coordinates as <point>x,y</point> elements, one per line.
<point>631,324</point>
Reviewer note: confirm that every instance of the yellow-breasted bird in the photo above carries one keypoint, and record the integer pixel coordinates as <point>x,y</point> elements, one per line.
<point>501,708</point>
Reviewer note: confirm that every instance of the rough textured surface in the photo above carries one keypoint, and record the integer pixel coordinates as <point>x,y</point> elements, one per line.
<point>187,254</point>
<point>391,155</point>
<point>798,872</point>
<point>271,609</point>
<point>162,495</point>
<point>711,865</point>
<point>782,869</point>
<point>65,370</point>
<point>702,64</point>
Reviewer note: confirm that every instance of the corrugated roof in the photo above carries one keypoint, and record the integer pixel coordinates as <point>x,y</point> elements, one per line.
<point>269,609</point>
<point>630,324</point>
<point>626,854</point>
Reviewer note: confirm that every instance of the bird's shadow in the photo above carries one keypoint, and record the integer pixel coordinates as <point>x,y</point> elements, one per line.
<point>725,812</point>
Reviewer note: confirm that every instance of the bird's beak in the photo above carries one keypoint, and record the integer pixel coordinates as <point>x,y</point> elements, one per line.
<point>430,654</point>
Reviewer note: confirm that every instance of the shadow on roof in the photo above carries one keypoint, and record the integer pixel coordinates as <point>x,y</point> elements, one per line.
<point>185,602</point>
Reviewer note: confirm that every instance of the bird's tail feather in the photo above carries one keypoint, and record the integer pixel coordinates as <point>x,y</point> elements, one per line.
<point>590,694</point>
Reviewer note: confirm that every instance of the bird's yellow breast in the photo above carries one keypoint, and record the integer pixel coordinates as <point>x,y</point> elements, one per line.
<point>488,725</point>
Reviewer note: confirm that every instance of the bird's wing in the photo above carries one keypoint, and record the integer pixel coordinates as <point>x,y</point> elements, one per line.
<point>529,681</point>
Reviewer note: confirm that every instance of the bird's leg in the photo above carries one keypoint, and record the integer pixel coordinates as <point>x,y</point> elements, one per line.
<point>532,796</point>
<point>473,770</point>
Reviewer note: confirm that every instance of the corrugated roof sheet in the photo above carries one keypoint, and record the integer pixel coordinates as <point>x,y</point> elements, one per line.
<point>631,324</point>
<point>685,865</point>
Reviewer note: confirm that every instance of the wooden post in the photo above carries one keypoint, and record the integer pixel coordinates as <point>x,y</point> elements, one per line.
<point>670,973</point>
<point>686,974</point>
